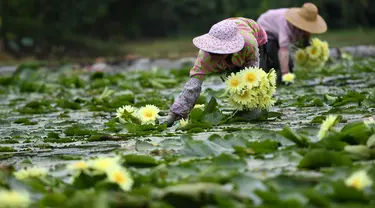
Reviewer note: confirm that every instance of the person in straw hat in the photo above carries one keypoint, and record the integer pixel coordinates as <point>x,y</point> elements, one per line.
<point>230,45</point>
<point>286,27</point>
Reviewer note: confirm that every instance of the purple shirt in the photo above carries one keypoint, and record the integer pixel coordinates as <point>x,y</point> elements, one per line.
<point>275,24</point>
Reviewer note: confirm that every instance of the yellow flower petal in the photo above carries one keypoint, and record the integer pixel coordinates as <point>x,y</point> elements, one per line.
<point>234,83</point>
<point>288,78</point>
<point>120,176</point>
<point>148,114</point>
<point>314,52</point>
<point>328,123</point>
<point>14,199</point>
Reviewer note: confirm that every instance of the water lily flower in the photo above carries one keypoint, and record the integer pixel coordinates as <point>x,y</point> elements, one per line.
<point>301,57</point>
<point>183,122</point>
<point>148,114</point>
<point>328,123</point>
<point>252,76</point>
<point>120,176</point>
<point>288,78</point>
<point>234,83</point>
<point>14,199</point>
<point>359,180</point>
<point>33,172</point>
<point>314,52</point>
<point>79,166</point>
<point>255,89</point>
<point>102,164</point>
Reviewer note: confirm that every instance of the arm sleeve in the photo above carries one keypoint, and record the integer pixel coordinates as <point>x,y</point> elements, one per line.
<point>185,101</point>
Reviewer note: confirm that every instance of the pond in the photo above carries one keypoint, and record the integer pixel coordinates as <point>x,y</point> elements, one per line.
<point>53,118</point>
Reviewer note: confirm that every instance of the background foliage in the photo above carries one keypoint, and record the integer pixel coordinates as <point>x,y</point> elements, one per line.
<point>42,27</point>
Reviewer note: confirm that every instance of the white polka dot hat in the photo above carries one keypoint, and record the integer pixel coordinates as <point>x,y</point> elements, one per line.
<point>223,38</point>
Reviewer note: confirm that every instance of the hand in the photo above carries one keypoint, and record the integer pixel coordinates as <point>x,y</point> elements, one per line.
<point>172,117</point>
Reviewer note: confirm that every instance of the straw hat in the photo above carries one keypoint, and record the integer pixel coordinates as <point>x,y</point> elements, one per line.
<point>307,18</point>
<point>223,38</point>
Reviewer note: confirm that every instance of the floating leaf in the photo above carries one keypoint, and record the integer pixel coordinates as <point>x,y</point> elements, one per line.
<point>140,160</point>
<point>299,140</point>
<point>318,158</point>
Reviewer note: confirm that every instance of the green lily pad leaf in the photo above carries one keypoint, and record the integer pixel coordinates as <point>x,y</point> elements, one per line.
<point>229,161</point>
<point>196,194</point>
<point>78,130</point>
<point>196,114</point>
<point>356,133</point>
<point>299,140</point>
<point>332,142</point>
<point>140,160</point>
<point>316,198</point>
<point>246,186</point>
<point>25,121</point>
<point>215,117</point>
<point>198,148</point>
<point>347,194</point>
<point>52,199</point>
<point>258,147</point>
<point>350,97</point>
<point>318,158</point>
<point>195,124</point>
<point>358,152</point>
<point>144,129</point>
<point>211,106</point>
<point>318,119</point>
<point>144,146</point>
<point>228,141</point>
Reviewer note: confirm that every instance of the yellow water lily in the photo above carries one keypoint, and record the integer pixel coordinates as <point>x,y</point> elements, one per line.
<point>288,78</point>
<point>14,199</point>
<point>235,104</point>
<point>272,76</point>
<point>243,98</point>
<point>199,106</point>
<point>313,52</point>
<point>258,85</point>
<point>328,123</point>
<point>120,176</point>
<point>128,108</point>
<point>314,63</point>
<point>102,164</point>
<point>234,83</point>
<point>148,114</point>
<point>31,172</point>
<point>359,180</point>
<point>325,51</point>
<point>252,76</point>
<point>301,57</point>
<point>316,42</point>
<point>79,166</point>
<point>183,122</point>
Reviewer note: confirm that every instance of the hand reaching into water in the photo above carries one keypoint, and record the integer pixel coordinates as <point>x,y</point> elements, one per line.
<point>172,117</point>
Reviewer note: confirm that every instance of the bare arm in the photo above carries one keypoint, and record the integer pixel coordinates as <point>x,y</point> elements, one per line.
<point>283,54</point>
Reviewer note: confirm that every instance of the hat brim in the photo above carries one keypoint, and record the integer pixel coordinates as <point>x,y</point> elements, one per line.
<point>315,27</point>
<point>212,44</point>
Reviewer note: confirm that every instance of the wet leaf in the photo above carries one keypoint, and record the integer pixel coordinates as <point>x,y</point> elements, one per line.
<point>318,158</point>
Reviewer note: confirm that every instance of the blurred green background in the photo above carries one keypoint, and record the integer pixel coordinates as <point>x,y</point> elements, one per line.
<point>83,28</point>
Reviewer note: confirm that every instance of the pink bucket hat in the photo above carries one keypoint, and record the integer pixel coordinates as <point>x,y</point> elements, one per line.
<point>223,38</point>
